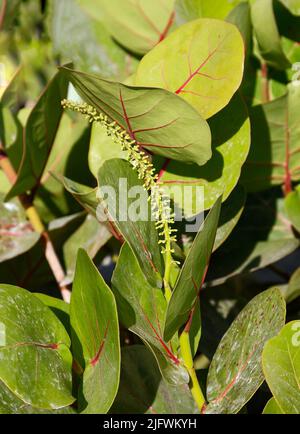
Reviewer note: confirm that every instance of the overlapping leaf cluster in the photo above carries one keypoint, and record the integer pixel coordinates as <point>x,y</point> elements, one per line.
<point>208,92</point>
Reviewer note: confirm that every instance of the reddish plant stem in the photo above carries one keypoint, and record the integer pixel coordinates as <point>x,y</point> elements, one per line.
<point>2,12</point>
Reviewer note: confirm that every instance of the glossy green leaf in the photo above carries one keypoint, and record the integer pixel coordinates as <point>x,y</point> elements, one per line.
<point>292,206</point>
<point>142,390</point>
<point>39,135</point>
<point>267,34</point>
<point>231,143</point>
<point>208,57</point>
<point>95,337</point>
<point>16,233</point>
<point>156,119</point>
<point>35,359</point>
<point>11,404</point>
<point>238,356</point>
<point>272,407</point>
<point>141,25</point>
<point>192,275</point>
<point>141,234</point>
<point>91,48</point>
<point>142,309</point>
<point>281,366</point>
<point>274,154</point>
<point>59,307</point>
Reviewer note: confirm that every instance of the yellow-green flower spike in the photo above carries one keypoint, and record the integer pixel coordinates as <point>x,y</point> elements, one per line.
<point>140,161</point>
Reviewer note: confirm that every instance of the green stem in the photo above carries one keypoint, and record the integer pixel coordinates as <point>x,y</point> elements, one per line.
<point>186,354</point>
<point>168,265</point>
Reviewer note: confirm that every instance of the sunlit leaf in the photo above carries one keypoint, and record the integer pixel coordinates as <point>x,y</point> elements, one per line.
<point>281,365</point>
<point>208,57</point>
<point>141,25</point>
<point>272,407</point>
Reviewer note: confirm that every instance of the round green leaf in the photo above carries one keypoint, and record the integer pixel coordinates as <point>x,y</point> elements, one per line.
<point>137,25</point>
<point>202,61</point>
<point>11,404</point>
<point>281,365</point>
<point>35,361</point>
<point>272,407</point>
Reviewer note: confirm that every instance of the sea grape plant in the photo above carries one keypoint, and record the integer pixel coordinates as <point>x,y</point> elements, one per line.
<point>149,206</point>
